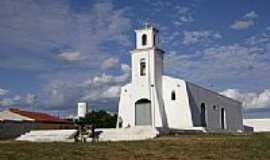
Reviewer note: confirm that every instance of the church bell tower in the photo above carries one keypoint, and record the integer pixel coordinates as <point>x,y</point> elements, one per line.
<point>147,69</point>
<point>147,58</point>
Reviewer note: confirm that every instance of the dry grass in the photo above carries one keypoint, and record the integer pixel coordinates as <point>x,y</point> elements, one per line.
<point>182,147</point>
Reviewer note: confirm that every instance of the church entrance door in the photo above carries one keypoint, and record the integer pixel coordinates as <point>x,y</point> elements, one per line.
<point>143,112</point>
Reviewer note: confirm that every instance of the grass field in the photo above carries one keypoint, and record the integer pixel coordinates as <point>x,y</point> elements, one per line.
<point>184,147</point>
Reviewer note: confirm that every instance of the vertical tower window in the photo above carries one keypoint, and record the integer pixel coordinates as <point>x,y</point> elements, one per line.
<point>173,96</point>
<point>203,115</point>
<point>144,39</point>
<point>142,67</point>
<point>154,40</point>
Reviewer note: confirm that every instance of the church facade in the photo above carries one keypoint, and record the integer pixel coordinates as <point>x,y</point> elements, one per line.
<point>163,102</point>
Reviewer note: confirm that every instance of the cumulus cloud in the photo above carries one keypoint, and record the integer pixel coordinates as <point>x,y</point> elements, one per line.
<point>250,100</point>
<point>58,93</point>
<point>21,100</point>
<point>251,15</point>
<point>10,101</point>
<point>42,29</point>
<point>183,15</point>
<point>7,102</point>
<point>110,63</point>
<point>105,79</point>
<point>3,92</point>
<point>191,37</point>
<point>224,64</point>
<point>31,99</point>
<point>43,36</point>
<point>111,92</point>
<point>107,86</point>
<point>238,25</point>
<point>247,21</point>
<point>70,56</point>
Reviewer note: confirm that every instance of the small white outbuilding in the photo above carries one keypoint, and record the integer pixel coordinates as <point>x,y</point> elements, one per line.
<point>82,109</point>
<point>164,102</point>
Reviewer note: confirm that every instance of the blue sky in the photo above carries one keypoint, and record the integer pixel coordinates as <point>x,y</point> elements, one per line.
<point>56,53</point>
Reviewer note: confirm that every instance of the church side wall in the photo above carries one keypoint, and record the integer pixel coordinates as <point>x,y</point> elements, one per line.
<point>126,111</point>
<point>233,113</point>
<point>160,115</point>
<point>177,111</point>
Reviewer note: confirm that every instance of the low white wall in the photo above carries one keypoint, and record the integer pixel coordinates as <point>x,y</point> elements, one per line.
<point>259,125</point>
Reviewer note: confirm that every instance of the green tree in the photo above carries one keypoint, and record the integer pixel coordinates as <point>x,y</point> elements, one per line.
<point>100,119</point>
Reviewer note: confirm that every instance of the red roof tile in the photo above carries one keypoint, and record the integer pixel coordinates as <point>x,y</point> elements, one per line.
<point>38,116</point>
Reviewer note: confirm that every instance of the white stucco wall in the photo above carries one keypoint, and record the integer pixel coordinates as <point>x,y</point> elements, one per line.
<point>177,111</point>
<point>126,111</point>
<point>148,87</point>
<point>150,32</point>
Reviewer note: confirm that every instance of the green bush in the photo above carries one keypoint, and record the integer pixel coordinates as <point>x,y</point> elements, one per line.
<point>100,119</point>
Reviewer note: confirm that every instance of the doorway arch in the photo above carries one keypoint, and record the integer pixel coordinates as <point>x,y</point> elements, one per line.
<point>143,112</point>
<point>203,115</point>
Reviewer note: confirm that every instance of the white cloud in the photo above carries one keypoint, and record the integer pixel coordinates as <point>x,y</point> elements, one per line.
<point>22,100</point>
<point>70,56</point>
<point>106,86</point>
<point>42,27</point>
<point>111,92</point>
<point>242,64</point>
<point>250,99</point>
<point>247,21</point>
<point>183,15</point>
<point>10,101</point>
<point>242,24</point>
<point>251,15</point>
<point>30,99</point>
<point>35,31</point>
<point>17,98</point>
<point>191,37</point>
<point>105,79</point>
<point>3,92</point>
<point>59,93</point>
<point>110,63</point>
<point>7,102</point>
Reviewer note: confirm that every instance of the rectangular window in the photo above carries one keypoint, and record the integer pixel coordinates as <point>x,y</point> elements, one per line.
<point>223,119</point>
<point>142,67</point>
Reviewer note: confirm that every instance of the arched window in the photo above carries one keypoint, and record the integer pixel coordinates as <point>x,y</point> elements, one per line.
<point>173,97</point>
<point>203,115</point>
<point>142,67</point>
<point>144,39</point>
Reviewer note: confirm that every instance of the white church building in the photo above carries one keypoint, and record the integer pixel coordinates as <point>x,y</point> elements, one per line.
<point>152,104</point>
<point>168,103</point>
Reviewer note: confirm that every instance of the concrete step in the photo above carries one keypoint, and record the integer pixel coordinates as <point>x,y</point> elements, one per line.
<point>127,134</point>
<point>48,136</point>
